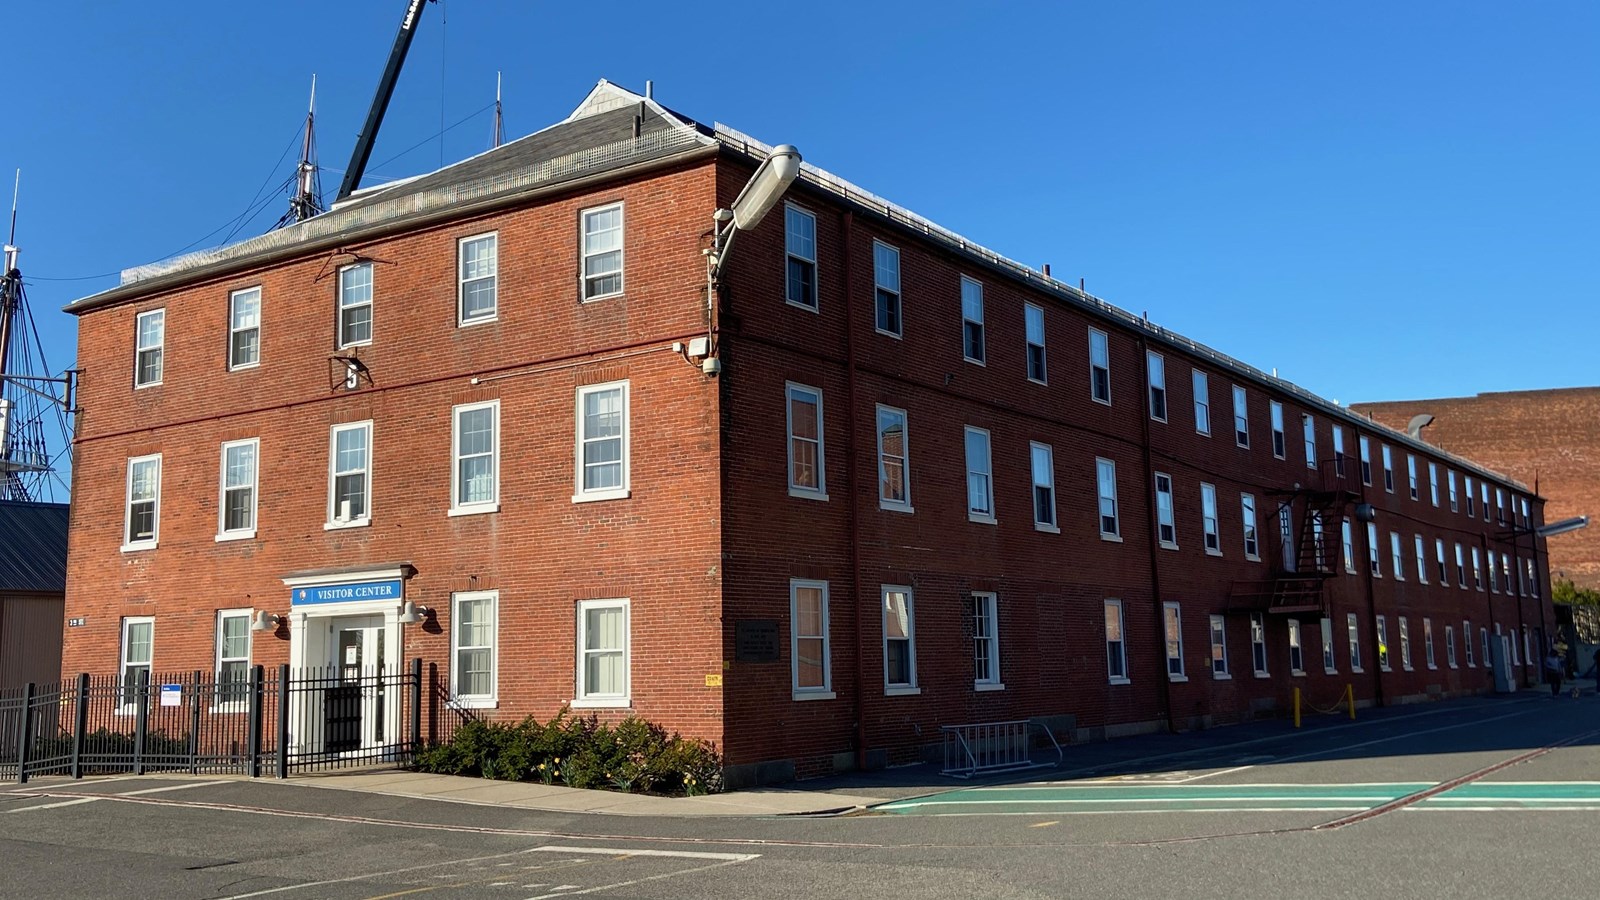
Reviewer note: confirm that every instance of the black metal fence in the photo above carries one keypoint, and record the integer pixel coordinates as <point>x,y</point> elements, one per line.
<point>266,723</point>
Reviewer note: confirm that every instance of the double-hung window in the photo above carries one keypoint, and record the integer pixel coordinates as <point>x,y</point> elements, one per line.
<point>1483,497</point>
<point>972,342</point>
<point>1373,560</point>
<point>1433,482</point>
<point>985,614</point>
<point>807,463</point>
<point>1494,577</point>
<point>233,658</point>
<point>980,476</point>
<point>236,508</point>
<point>143,520</point>
<point>150,329</point>
<point>1466,641</point>
<point>1044,487</point>
<point>1353,628</point>
<point>800,244</point>
<point>603,463</point>
<point>1505,570</point>
<point>1202,403</point>
<point>1388,469</point>
<point>1241,418</point>
<point>1166,520</point>
<point>1278,448</point>
<point>1405,643</point>
<point>1033,321</point>
<point>1329,660</point>
<point>886,285</point>
<point>1309,426</point>
<point>1258,644</point>
<point>1422,561</point>
<point>899,641</point>
<point>244,328</point>
<point>1442,566</point>
<point>1338,451</point>
<point>1471,502</point>
<point>1450,646</point>
<point>1348,542</point>
<point>811,668</point>
<point>138,649</point>
<point>1366,460</point>
<point>1208,519</point>
<point>1219,648</point>
<point>604,655</point>
<point>1099,366</point>
<point>477,277</point>
<point>1397,556</point>
<point>475,458</point>
<point>894,455</point>
<point>1172,628</point>
<point>474,621</point>
<point>1116,649</point>
<point>602,254</point>
<point>1383,644</point>
<point>1106,485</point>
<point>1157,367</point>
<point>349,475</point>
<point>1477,570</point>
<point>1411,475</point>
<point>1297,659</point>
<point>1450,483</point>
<point>355,305</point>
<point>1252,544</point>
<point>1461,568</point>
<point>1427,641</point>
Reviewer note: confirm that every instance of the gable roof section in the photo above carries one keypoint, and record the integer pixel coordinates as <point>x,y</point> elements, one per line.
<point>33,547</point>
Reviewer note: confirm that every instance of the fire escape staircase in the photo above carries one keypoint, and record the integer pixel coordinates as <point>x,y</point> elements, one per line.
<point>1301,589</point>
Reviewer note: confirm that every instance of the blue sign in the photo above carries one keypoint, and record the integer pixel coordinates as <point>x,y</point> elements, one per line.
<point>348,593</point>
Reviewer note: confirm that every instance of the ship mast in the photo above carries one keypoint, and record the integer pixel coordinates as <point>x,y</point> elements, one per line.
<point>307,199</point>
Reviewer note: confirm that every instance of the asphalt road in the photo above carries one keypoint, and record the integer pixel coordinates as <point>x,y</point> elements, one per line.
<point>1452,800</point>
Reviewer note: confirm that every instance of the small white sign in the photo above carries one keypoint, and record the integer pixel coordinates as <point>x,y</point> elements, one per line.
<point>172,695</point>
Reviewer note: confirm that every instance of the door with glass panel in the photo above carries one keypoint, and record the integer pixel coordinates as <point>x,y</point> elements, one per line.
<point>353,702</point>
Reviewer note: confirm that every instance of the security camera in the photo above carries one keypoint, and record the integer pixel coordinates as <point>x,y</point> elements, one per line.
<point>712,367</point>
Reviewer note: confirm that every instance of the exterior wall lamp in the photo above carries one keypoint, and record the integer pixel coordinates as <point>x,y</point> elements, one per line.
<point>760,194</point>
<point>265,621</point>
<point>412,614</point>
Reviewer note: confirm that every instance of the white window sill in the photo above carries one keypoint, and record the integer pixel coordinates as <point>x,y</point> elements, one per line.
<point>602,703</point>
<point>236,536</point>
<point>1385,669</point>
<point>801,493</point>
<point>1263,674</point>
<point>473,703</point>
<point>1406,668</point>
<point>1253,558</point>
<point>1357,670</point>
<point>597,496</point>
<point>1297,673</point>
<point>139,545</point>
<point>1100,401</point>
<point>1039,381</point>
<point>1332,671</point>
<point>980,518</point>
<point>1432,667</point>
<point>365,343</point>
<point>1221,676</point>
<point>480,320</point>
<point>798,696</point>
<point>1114,538</point>
<point>902,690</point>
<point>988,686</point>
<point>814,310</point>
<point>892,334</point>
<point>244,367</point>
<point>474,510</point>
<point>598,297</point>
<point>1454,666</point>
<point>353,523</point>
<point>140,387</point>
<point>1211,552</point>
<point>1177,679</point>
<point>976,362</point>
<point>1051,529</point>
<point>1156,419</point>
<point>1168,545</point>
<point>1119,681</point>
<point>891,506</point>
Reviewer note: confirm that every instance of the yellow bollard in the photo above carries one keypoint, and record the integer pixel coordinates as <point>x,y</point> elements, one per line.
<point>1297,707</point>
<point>1350,698</point>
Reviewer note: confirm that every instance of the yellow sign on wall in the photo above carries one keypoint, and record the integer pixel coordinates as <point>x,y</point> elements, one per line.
<point>714,680</point>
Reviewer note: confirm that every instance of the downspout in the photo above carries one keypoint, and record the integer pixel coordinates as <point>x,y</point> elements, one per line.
<point>853,529</point>
<point>1155,528</point>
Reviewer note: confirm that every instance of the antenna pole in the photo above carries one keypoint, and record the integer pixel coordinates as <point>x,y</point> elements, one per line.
<point>499,130</point>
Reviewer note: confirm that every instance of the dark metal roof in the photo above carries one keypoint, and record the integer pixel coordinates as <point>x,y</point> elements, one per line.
<point>33,547</point>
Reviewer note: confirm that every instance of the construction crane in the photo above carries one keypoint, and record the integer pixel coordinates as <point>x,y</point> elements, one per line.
<point>380,101</point>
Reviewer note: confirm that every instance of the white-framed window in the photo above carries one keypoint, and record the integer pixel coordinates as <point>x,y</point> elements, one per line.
<point>1366,460</point>
<point>811,662</point>
<point>1477,570</point>
<point>1494,577</point>
<point>1338,451</point>
<point>1033,321</point>
<point>1354,629</point>
<point>236,507</point>
<point>899,641</point>
<point>233,658</point>
<point>886,289</point>
<point>350,474</point>
<point>1219,648</point>
<point>1411,476</point>
<point>604,444</point>
<point>1297,659</point>
<point>1308,424</point>
<point>1286,539</point>
<point>1422,561</point>
<point>1466,641</point>
<point>1157,367</point>
<point>1374,562</point>
<point>980,475</point>
<point>1279,449</point>
<point>1461,568</point>
<point>894,457</point>
<point>142,526</point>
<point>1516,660</point>
<point>1252,543</point>
<point>1433,482</point>
<point>244,328</point>
<point>1388,469</point>
<point>800,246</point>
<point>1471,502</point>
<point>1329,660</point>
<point>1043,463</point>
<point>1483,635</point>
<point>1505,570</point>
<point>985,612</point>
<point>150,338</point>
<point>1533,577</point>
<point>1450,483</point>
<point>1099,366</point>
<point>972,341</point>
<point>1450,646</point>
<point>1442,567</point>
<point>604,654</point>
<point>1526,511</point>
<point>1500,505</point>
<point>1397,556</point>
<point>1241,418</point>
<point>1172,631</point>
<point>1166,519</point>
<point>1427,640</point>
<point>1116,647</point>
<point>475,458</point>
<point>1106,485</point>
<point>808,475</point>
<point>1483,497</point>
<point>1318,544</point>
<point>355,305</point>
<point>1405,643</point>
<point>1202,403</point>
<point>603,253</point>
<point>477,278</point>
<point>1383,644</point>
<point>1208,519</point>
<point>1258,644</point>
<point>474,634</point>
<point>1348,545</point>
<point>138,650</point>
<point>1527,646</point>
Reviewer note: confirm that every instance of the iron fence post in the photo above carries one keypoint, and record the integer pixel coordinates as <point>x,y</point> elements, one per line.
<point>256,675</point>
<point>416,707</point>
<point>80,724</point>
<point>194,728</point>
<point>25,736</point>
<point>283,720</point>
<point>141,720</point>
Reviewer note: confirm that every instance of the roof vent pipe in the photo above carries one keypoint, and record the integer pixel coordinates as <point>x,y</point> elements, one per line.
<point>649,90</point>
<point>1047,270</point>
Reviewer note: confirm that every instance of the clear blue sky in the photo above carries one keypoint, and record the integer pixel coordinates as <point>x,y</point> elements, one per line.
<point>1382,200</point>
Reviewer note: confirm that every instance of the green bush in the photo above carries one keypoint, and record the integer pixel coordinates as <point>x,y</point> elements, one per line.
<point>634,756</point>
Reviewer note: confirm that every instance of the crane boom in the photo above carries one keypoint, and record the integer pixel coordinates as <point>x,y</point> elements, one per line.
<point>380,101</point>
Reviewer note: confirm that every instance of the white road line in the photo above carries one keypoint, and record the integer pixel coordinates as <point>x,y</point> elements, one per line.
<point>55,805</point>
<point>1213,774</point>
<point>385,874</point>
<point>622,851</point>
<point>162,790</point>
<point>623,884</point>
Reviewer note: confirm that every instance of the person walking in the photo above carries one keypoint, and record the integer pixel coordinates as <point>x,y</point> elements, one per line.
<point>1552,673</point>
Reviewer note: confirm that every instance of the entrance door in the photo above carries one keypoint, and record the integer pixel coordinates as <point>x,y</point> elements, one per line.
<point>354,702</point>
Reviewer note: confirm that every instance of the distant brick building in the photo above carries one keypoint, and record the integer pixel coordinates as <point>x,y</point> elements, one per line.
<point>930,486</point>
<point>1551,437</point>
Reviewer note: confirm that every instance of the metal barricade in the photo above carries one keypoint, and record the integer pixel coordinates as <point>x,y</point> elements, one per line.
<point>986,747</point>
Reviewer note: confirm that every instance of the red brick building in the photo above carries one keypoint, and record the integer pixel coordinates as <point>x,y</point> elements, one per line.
<point>1545,436</point>
<point>929,487</point>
